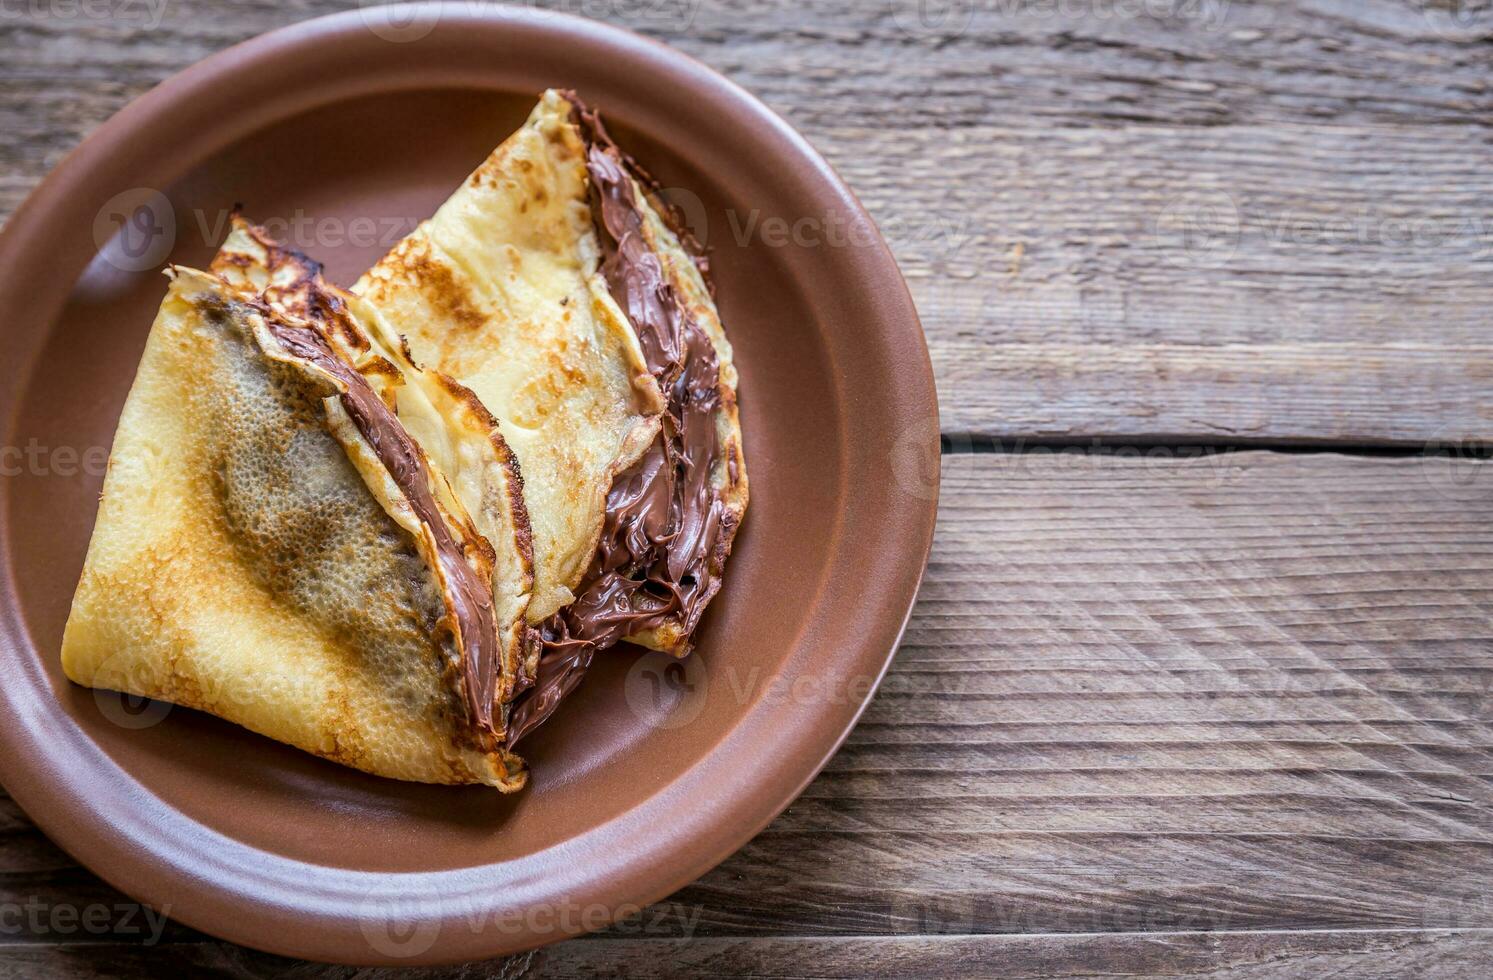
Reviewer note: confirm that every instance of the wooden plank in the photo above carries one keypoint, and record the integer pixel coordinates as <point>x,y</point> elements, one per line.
<point>832,62</point>
<point>1420,954</point>
<point>1197,220</point>
<point>1247,691</point>
<point>1251,691</point>
<point>1149,696</point>
<point>1368,954</point>
<point>1278,284</point>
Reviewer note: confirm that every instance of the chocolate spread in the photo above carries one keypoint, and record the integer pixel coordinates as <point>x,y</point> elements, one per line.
<point>659,559</point>
<point>470,597</point>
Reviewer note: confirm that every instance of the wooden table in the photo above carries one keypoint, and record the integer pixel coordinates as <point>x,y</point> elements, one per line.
<point>1201,678</point>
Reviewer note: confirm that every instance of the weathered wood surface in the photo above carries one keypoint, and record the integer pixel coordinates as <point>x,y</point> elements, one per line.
<point>1187,218</point>
<point>1166,716</point>
<point>1245,693</point>
<point>1217,956</point>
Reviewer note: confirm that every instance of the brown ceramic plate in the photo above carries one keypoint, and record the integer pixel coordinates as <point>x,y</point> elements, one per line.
<point>345,131</point>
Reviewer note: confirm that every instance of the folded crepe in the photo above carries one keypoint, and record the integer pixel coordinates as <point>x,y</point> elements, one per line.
<point>312,528</point>
<point>500,290</point>
<point>559,287</point>
<point>447,421</point>
<point>274,547</point>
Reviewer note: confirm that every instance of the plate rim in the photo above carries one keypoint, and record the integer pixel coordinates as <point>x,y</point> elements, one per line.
<point>336,933</point>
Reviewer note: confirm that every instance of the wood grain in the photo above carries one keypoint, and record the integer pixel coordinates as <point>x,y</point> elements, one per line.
<point>1154,715</point>
<point>1367,954</point>
<point>1193,219</point>
<point>1244,693</point>
<point>1286,284</point>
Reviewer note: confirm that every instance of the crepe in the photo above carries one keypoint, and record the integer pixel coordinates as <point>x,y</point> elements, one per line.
<point>450,424</point>
<point>274,548</point>
<point>555,284</point>
<point>673,517</point>
<point>501,290</point>
<point>317,523</point>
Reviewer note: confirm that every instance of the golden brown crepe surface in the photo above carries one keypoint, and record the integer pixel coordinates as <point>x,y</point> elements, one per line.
<point>252,560</point>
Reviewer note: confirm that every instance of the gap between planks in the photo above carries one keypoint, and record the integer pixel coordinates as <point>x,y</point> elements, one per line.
<point>1182,446</point>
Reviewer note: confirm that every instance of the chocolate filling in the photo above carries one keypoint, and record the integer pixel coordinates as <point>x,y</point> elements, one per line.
<point>659,559</point>
<point>470,597</point>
